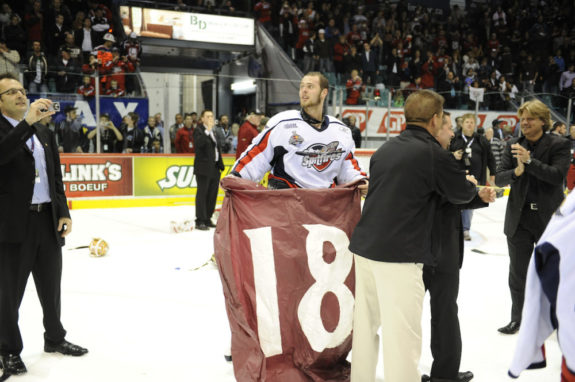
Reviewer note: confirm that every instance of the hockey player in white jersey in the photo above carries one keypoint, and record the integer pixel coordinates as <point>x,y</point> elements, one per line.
<point>303,148</point>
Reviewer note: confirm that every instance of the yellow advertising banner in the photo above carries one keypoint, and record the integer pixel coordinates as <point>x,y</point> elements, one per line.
<point>168,175</point>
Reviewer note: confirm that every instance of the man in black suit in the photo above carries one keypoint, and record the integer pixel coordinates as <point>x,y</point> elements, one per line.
<point>392,240</point>
<point>33,223</point>
<point>208,166</point>
<point>369,65</point>
<point>441,279</point>
<point>535,165</point>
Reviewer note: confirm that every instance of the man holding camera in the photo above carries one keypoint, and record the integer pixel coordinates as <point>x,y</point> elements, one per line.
<point>34,221</point>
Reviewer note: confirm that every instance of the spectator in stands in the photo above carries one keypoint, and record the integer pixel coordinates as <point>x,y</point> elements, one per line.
<point>355,88</point>
<point>355,131</point>
<point>86,39</point>
<point>497,145</point>
<point>152,132</point>
<point>67,72</point>
<point>310,57</point>
<point>78,23</point>
<point>567,78</point>
<point>529,74</point>
<point>324,51</point>
<point>352,61</point>
<point>303,34</point>
<point>132,49</point>
<point>288,30</point>
<point>8,59</point>
<point>133,137</point>
<point>117,69</point>
<point>5,15</point>
<point>87,89</point>
<point>235,131</point>
<point>157,147</point>
<point>114,90</point>
<point>100,25</point>
<point>558,128</point>
<point>109,135</point>
<point>71,136</point>
<point>174,129</point>
<point>428,71</point>
<point>56,35</point>
<point>248,131</point>
<point>394,63</point>
<point>37,70</point>
<point>263,10</point>
<point>59,8</point>
<point>551,75</point>
<point>34,22</point>
<point>224,133</point>
<point>159,121</point>
<point>184,140</point>
<point>369,65</point>
<point>75,51</point>
<point>497,130</point>
<point>15,35</point>
<point>340,49</point>
<point>449,87</point>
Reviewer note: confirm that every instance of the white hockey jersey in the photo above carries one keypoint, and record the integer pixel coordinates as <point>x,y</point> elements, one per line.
<point>301,156</point>
<point>550,295</point>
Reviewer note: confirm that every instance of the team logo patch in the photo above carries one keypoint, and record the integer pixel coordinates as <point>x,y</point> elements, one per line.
<point>320,156</point>
<point>295,139</point>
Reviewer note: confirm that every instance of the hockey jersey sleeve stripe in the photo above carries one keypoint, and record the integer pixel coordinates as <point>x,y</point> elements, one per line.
<point>566,374</point>
<point>355,164</point>
<point>252,153</point>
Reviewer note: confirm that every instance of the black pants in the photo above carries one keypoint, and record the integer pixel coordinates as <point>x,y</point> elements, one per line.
<point>521,246</point>
<point>206,196</point>
<point>445,333</point>
<point>39,254</point>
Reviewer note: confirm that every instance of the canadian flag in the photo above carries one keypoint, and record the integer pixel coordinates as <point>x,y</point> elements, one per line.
<point>288,280</point>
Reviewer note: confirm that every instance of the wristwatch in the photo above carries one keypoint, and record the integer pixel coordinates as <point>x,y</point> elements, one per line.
<point>528,161</point>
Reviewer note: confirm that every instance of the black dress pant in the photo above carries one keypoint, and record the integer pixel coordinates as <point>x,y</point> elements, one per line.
<point>443,289</point>
<point>521,246</point>
<point>206,197</point>
<point>39,254</point>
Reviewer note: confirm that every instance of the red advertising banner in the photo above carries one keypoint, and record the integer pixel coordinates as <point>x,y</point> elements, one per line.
<point>288,280</point>
<point>96,175</point>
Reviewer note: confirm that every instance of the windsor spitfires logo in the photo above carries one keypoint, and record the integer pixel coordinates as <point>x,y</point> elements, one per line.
<point>320,156</point>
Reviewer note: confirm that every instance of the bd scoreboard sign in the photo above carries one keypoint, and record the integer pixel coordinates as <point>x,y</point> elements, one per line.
<point>288,280</point>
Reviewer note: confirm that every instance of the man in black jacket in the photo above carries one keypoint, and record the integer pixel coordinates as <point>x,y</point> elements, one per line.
<point>33,223</point>
<point>393,240</point>
<point>208,166</point>
<point>535,165</point>
<point>441,279</point>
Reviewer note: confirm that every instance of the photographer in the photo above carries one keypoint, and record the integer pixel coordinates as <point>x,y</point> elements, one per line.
<point>474,154</point>
<point>109,135</point>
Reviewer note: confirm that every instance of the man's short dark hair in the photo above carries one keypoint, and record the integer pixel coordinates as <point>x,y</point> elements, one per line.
<point>556,125</point>
<point>205,111</point>
<point>323,81</point>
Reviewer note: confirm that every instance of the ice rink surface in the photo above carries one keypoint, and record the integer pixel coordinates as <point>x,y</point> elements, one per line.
<point>146,315</point>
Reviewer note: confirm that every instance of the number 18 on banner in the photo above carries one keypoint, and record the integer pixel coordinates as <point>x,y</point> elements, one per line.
<point>329,277</point>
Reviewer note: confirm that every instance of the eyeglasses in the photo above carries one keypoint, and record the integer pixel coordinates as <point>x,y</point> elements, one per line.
<point>14,91</point>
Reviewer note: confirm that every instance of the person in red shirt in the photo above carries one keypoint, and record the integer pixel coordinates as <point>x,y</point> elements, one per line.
<point>354,87</point>
<point>184,141</point>
<point>87,89</point>
<point>248,131</point>
<point>115,90</point>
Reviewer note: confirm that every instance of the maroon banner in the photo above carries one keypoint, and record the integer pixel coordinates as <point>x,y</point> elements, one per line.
<point>288,280</point>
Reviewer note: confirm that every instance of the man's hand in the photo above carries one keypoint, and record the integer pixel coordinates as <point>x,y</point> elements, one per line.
<point>472,179</point>
<point>65,226</point>
<point>363,188</point>
<point>458,154</point>
<point>520,153</point>
<point>487,194</point>
<point>39,109</point>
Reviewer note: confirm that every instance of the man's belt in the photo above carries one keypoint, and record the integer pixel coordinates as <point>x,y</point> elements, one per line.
<point>39,207</point>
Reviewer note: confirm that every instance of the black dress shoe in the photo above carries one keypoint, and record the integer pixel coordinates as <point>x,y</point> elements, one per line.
<point>12,364</point>
<point>202,227</point>
<point>65,348</point>
<point>228,358</point>
<point>462,376</point>
<point>510,328</point>
<point>210,224</point>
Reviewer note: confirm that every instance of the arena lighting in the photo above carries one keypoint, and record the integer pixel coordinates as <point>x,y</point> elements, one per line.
<point>249,85</point>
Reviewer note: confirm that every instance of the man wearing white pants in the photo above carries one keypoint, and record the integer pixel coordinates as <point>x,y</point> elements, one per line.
<point>393,239</point>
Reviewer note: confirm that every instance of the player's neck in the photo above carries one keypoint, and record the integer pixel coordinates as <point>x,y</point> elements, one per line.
<point>316,116</point>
